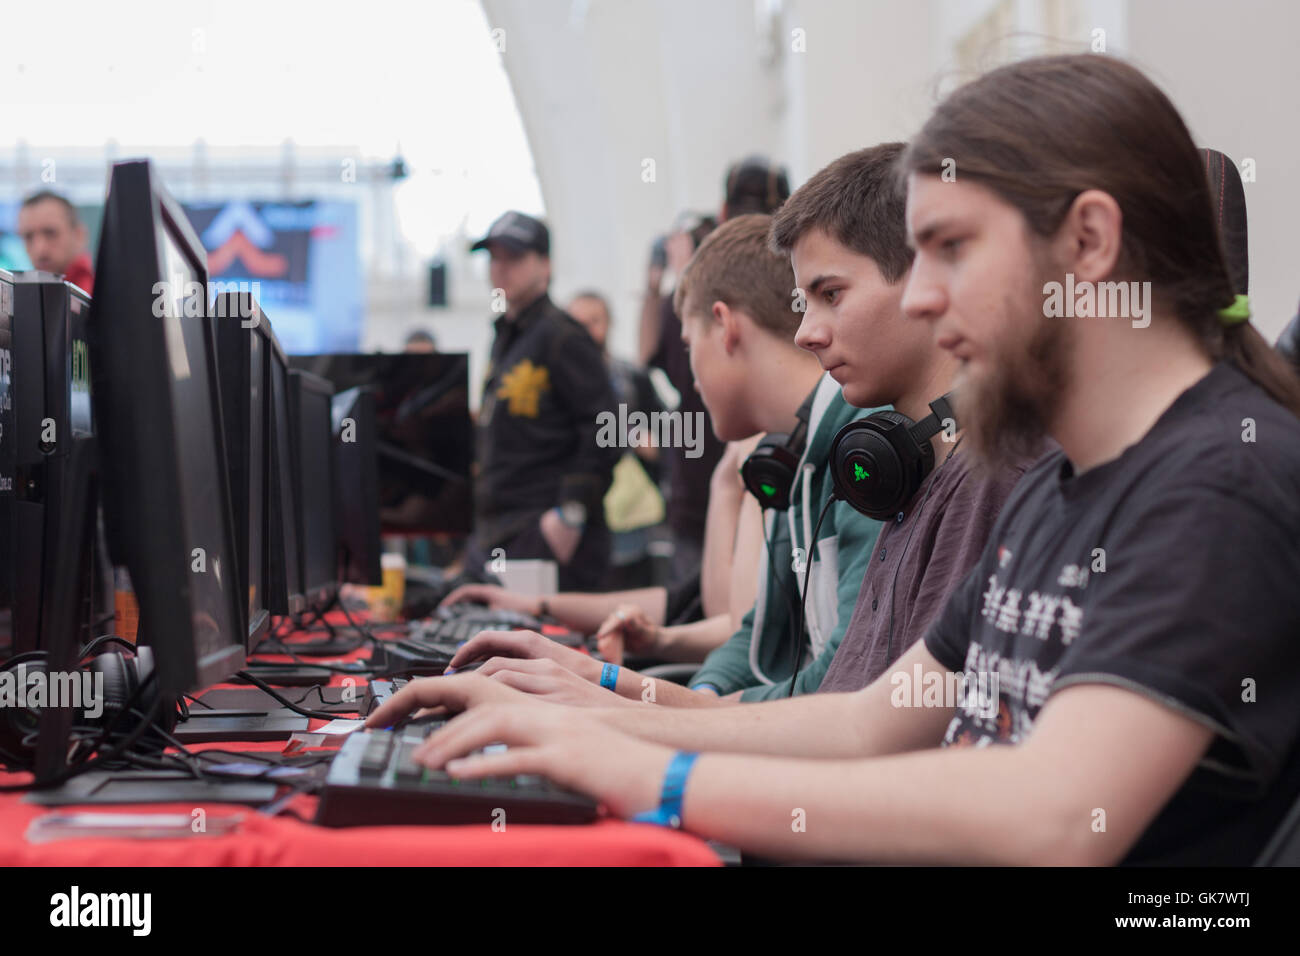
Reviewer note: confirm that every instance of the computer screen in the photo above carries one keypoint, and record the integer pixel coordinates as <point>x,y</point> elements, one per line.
<point>310,399</point>
<point>199,446</point>
<point>79,418</point>
<point>241,331</point>
<point>356,487</point>
<point>167,501</point>
<point>286,558</point>
<point>425,439</point>
<point>51,402</point>
<point>8,554</point>
<point>257,486</point>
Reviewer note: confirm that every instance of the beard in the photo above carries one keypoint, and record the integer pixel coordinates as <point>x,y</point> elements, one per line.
<point>1006,413</point>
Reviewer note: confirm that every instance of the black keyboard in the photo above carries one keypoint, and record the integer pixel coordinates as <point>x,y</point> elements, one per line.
<point>429,645</point>
<point>373,781</point>
<point>456,624</point>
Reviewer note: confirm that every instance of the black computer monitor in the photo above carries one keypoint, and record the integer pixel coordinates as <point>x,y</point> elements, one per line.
<point>8,545</point>
<point>243,345</point>
<point>163,463</point>
<point>50,399</point>
<point>312,430</point>
<point>425,438</point>
<point>285,558</point>
<point>356,487</point>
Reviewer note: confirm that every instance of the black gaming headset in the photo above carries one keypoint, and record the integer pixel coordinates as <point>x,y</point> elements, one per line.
<point>124,676</point>
<point>879,462</point>
<point>769,472</point>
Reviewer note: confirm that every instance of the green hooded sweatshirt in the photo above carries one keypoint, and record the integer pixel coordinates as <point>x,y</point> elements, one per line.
<point>757,659</point>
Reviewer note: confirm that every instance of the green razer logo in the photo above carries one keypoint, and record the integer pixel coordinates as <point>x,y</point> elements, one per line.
<point>859,473</point>
<point>768,490</point>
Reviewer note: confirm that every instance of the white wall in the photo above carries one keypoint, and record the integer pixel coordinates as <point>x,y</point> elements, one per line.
<point>604,85</point>
<point>1233,72</point>
<point>603,88</point>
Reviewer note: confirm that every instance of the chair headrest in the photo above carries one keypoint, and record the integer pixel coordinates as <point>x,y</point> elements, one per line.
<point>1229,198</point>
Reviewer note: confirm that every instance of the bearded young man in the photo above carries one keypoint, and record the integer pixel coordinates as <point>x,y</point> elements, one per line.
<point>1145,712</point>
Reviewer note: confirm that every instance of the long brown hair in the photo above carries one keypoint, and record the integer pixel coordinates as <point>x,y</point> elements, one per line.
<point>1040,132</point>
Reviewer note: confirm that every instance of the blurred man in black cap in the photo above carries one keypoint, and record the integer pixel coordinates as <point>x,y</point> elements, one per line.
<point>542,476</point>
<point>752,185</point>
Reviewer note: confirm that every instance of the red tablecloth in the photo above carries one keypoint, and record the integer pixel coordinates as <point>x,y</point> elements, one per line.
<point>285,841</point>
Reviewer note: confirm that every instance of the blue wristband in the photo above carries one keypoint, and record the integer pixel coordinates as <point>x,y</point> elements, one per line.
<point>669,811</point>
<point>713,687</point>
<point>609,677</point>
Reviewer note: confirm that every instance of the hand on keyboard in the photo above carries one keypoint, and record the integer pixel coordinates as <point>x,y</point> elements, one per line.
<point>542,677</point>
<point>494,597</point>
<point>530,645</point>
<point>568,746</point>
<point>453,694</point>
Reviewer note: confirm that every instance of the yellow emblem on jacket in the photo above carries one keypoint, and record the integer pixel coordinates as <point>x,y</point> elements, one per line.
<point>523,386</point>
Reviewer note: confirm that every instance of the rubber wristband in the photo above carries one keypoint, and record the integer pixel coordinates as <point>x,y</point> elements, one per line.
<point>609,677</point>
<point>669,811</point>
<point>713,687</point>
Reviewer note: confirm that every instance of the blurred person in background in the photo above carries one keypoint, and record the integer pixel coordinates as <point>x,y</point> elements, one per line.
<point>420,342</point>
<point>752,185</point>
<point>55,238</point>
<point>541,472</point>
<point>633,504</point>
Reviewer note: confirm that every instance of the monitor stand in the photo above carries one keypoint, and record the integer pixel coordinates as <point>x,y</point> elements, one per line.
<point>216,726</point>
<point>151,786</point>
<point>286,675</point>
<point>336,645</point>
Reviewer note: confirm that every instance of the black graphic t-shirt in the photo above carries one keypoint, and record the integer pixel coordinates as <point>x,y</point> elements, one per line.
<point>1172,571</point>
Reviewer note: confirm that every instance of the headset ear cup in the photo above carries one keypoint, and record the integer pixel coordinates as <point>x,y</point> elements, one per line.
<point>876,464</point>
<point>144,664</point>
<point>769,472</point>
<point>123,676</point>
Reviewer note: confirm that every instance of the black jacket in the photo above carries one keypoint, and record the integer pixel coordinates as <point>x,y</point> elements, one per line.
<point>537,426</point>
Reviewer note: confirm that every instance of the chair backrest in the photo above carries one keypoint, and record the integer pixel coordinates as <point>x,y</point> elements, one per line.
<point>1229,198</point>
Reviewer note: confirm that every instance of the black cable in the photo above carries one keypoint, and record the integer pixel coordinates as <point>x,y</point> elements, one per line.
<point>363,630</point>
<point>803,597</point>
<point>889,643</point>
<point>771,563</point>
<point>317,714</point>
<point>96,758</point>
<point>22,658</point>
<point>94,645</point>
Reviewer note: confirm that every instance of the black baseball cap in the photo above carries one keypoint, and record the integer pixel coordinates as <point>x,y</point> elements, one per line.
<point>518,231</point>
<point>756,184</point>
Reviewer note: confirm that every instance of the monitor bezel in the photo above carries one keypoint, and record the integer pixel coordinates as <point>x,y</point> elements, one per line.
<point>229,310</point>
<point>146,521</point>
<point>318,594</point>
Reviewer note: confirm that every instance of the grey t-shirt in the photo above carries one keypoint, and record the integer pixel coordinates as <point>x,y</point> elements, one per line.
<point>947,532</point>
